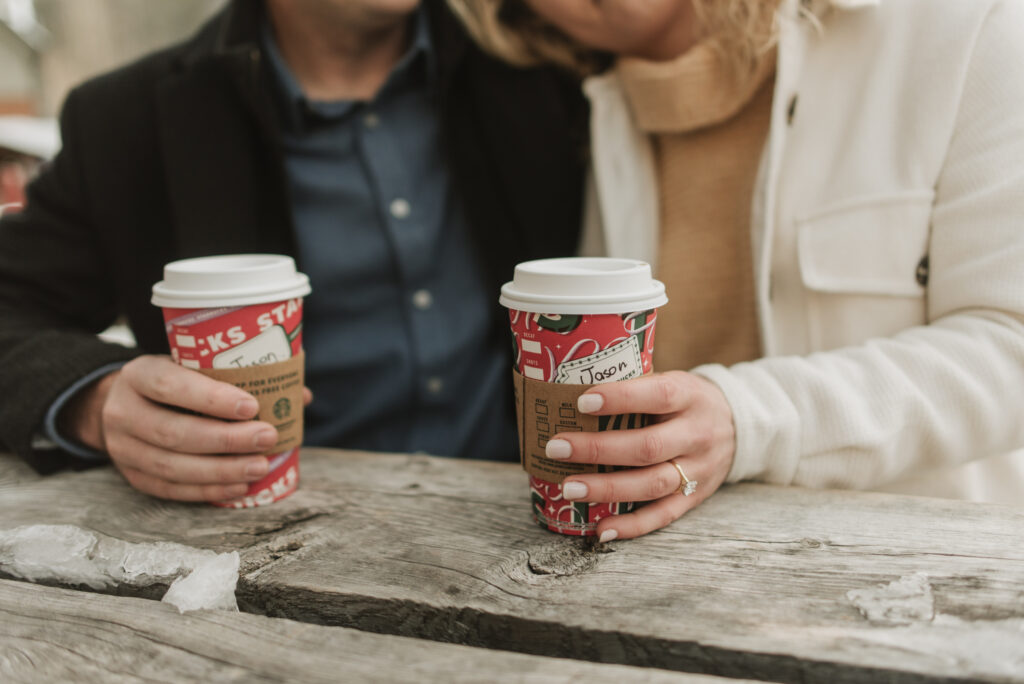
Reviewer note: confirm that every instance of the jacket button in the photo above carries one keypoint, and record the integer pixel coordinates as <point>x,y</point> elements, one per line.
<point>922,271</point>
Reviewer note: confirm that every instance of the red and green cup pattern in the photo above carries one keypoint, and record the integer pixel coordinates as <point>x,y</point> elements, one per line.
<point>238,337</point>
<point>581,349</point>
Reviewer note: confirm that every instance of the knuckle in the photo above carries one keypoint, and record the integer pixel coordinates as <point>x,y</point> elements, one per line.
<point>162,388</point>
<point>618,395</point>
<point>652,447</point>
<point>227,441</point>
<point>660,485</point>
<point>132,370</point>
<point>609,492</point>
<point>169,433</point>
<point>703,436</point>
<point>669,389</point>
<point>591,451</point>
<point>162,467</point>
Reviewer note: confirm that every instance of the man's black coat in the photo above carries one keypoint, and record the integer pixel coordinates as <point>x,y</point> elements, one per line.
<point>178,155</point>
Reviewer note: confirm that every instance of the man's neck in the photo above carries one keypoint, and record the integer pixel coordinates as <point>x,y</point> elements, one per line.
<point>336,56</point>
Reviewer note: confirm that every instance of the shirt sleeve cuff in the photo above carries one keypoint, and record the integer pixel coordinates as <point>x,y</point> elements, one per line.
<point>50,422</point>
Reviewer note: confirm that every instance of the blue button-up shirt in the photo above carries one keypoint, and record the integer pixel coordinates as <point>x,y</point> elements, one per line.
<point>399,353</point>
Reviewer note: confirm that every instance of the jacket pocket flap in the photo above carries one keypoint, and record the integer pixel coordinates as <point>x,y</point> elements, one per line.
<point>871,247</point>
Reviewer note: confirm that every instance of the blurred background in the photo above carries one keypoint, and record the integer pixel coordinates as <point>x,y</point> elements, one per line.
<point>49,46</point>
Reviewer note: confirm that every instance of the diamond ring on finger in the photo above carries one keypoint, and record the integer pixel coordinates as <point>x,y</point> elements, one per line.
<point>686,485</point>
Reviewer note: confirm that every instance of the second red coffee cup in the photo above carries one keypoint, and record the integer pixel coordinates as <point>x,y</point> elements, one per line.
<point>238,319</point>
<point>576,322</point>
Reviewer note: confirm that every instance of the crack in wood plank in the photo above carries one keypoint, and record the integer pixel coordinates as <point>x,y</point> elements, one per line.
<point>288,521</point>
<point>59,635</point>
<point>465,574</point>
<point>472,627</point>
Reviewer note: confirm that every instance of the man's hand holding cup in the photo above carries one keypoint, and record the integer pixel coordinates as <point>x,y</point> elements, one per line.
<point>229,433</point>
<point>173,433</point>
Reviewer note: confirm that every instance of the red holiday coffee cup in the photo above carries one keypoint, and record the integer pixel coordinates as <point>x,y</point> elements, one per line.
<point>576,322</point>
<point>238,319</point>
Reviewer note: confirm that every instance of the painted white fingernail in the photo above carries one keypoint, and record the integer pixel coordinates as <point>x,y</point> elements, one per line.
<point>574,490</point>
<point>588,403</point>
<point>558,449</point>
<point>608,535</point>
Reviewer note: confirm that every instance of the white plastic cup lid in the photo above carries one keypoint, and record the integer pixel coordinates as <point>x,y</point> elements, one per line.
<point>229,280</point>
<point>583,285</point>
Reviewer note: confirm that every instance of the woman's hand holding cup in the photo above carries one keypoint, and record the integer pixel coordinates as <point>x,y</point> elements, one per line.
<point>692,426</point>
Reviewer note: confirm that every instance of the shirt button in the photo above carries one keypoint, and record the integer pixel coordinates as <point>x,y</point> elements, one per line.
<point>422,299</point>
<point>371,120</point>
<point>435,385</point>
<point>400,208</point>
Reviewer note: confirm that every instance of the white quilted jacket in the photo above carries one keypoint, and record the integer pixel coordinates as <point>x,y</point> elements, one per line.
<point>897,132</point>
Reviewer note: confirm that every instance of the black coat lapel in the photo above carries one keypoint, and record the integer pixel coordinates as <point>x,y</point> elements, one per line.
<point>224,181</point>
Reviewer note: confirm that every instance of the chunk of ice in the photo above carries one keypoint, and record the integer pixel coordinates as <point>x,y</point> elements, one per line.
<point>211,584</point>
<point>199,578</point>
<point>902,602</point>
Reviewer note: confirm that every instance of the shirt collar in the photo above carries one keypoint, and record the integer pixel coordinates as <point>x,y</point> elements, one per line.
<point>417,66</point>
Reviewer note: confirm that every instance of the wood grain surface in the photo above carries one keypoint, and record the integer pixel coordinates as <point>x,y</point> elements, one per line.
<point>760,582</point>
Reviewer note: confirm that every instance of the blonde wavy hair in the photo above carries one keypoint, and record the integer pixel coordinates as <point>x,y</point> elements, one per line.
<point>743,30</point>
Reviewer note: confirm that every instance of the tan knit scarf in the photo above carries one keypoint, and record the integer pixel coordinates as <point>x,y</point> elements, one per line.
<point>709,127</point>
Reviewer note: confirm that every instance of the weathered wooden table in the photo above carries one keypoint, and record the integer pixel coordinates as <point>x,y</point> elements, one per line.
<point>378,559</point>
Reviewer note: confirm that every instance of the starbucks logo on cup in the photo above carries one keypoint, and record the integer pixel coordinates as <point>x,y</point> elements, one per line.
<point>282,408</point>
